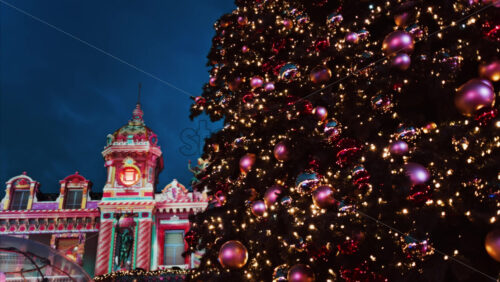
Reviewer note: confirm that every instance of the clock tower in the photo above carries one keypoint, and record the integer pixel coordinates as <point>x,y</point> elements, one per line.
<point>133,161</point>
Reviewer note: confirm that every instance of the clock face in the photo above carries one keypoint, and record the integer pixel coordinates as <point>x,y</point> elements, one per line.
<point>129,175</point>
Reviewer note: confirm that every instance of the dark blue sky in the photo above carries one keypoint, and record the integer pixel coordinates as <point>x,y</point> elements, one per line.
<point>60,98</point>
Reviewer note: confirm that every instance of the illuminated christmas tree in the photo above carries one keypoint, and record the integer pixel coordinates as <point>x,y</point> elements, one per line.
<point>360,142</point>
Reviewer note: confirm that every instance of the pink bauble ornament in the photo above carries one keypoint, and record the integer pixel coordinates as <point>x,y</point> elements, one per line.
<point>244,49</point>
<point>256,82</point>
<point>352,37</point>
<point>272,194</point>
<point>323,197</point>
<point>281,151</point>
<point>258,208</point>
<point>320,113</point>
<point>397,42</point>
<point>246,162</point>
<point>269,86</point>
<point>490,71</point>
<point>233,254</point>
<point>300,273</point>
<point>474,95</point>
<point>417,173</point>
<point>401,61</point>
<point>399,148</point>
<point>288,24</point>
<point>492,244</point>
<point>320,74</point>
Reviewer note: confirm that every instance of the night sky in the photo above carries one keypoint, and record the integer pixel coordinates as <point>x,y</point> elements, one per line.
<point>59,98</point>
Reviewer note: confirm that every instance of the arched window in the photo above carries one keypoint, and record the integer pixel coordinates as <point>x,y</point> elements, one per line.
<point>73,199</point>
<point>20,195</point>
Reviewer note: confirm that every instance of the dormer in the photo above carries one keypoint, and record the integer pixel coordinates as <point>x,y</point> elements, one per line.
<point>74,192</point>
<point>20,193</point>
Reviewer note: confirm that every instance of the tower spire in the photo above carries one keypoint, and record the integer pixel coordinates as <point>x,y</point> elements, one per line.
<point>139,94</point>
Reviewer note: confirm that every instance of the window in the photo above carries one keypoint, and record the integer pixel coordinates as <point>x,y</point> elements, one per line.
<point>73,199</point>
<point>174,247</point>
<point>20,200</point>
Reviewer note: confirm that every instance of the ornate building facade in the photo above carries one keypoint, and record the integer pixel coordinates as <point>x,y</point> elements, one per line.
<point>130,226</point>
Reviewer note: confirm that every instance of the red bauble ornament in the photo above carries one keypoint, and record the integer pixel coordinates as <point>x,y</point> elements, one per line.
<point>348,150</point>
<point>200,101</point>
<point>300,273</point>
<point>323,197</point>
<point>233,254</point>
<point>420,193</point>
<point>281,151</point>
<point>126,221</point>
<point>213,81</point>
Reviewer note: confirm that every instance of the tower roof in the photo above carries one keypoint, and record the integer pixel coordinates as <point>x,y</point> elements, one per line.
<point>135,129</point>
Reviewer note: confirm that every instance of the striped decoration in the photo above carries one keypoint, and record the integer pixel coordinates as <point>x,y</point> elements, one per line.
<point>103,249</point>
<point>144,244</point>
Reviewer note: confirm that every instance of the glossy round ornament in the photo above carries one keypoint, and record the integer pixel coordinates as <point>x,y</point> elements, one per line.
<point>288,72</point>
<point>126,221</point>
<point>258,208</point>
<point>300,273</point>
<point>213,81</point>
<point>401,61</point>
<point>269,86</point>
<point>492,244</point>
<point>256,82</point>
<point>246,162</point>
<point>323,197</point>
<point>490,71</point>
<point>242,20</point>
<point>397,42</point>
<point>320,113</point>
<point>287,23</point>
<point>272,194</point>
<point>306,182</point>
<point>233,254</point>
<point>281,152</point>
<point>352,37</point>
<point>474,95</point>
<point>320,74</point>
<point>417,173</point>
<point>399,148</point>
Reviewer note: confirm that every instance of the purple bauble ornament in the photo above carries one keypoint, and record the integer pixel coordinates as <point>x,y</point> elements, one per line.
<point>320,74</point>
<point>399,148</point>
<point>492,244</point>
<point>490,71</point>
<point>272,194</point>
<point>244,49</point>
<point>258,208</point>
<point>474,95</point>
<point>323,197</point>
<point>401,61</point>
<point>397,42</point>
<point>320,113</point>
<point>256,82</point>
<point>417,173</point>
<point>300,273</point>
<point>269,86</point>
<point>352,37</point>
<point>233,254</point>
<point>246,162</point>
<point>281,151</point>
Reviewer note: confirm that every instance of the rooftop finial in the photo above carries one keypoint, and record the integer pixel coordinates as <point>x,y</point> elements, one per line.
<point>139,94</point>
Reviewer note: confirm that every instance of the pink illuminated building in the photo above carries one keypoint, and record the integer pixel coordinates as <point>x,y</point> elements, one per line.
<point>132,225</point>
